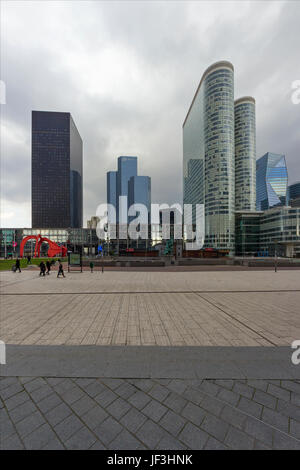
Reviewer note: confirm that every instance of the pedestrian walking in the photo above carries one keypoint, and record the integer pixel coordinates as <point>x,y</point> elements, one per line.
<point>92,266</point>
<point>18,265</point>
<point>42,268</point>
<point>48,266</point>
<point>60,269</point>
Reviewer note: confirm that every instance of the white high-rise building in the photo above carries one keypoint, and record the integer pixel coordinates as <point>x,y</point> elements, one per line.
<point>209,155</point>
<point>245,154</point>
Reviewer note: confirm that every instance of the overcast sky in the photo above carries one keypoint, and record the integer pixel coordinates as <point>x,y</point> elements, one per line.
<point>127,72</point>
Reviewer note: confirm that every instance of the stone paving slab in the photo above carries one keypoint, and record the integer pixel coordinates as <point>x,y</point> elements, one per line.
<point>132,281</point>
<point>150,362</point>
<point>140,414</point>
<point>162,319</point>
<point>135,360</point>
<point>163,309</point>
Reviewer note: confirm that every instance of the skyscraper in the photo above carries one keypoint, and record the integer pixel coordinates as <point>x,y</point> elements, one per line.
<point>127,167</point>
<point>271,181</point>
<point>126,182</point>
<point>293,194</point>
<point>139,192</point>
<point>57,197</point>
<point>245,154</point>
<point>111,188</point>
<point>208,136</point>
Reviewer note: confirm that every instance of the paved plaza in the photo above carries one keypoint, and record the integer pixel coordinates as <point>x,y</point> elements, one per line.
<point>150,360</point>
<point>251,308</point>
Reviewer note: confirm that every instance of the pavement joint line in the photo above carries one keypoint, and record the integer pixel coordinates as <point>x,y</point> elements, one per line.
<point>14,426</point>
<point>45,322</point>
<point>52,427</point>
<point>169,409</point>
<point>22,439</point>
<point>113,417</point>
<point>147,392</point>
<point>96,404</point>
<point>202,391</point>
<point>246,414</point>
<point>73,412</point>
<point>154,292</point>
<point>237,320</point>
<point>235,408</point>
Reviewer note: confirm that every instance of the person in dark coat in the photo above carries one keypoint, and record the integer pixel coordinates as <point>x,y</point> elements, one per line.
<point>18,266</point>
<point>48,266</point>
<point>60,269</point>
<point>42,268</point>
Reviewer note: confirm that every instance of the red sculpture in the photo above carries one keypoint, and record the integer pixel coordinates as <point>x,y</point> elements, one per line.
<point>54,248</point>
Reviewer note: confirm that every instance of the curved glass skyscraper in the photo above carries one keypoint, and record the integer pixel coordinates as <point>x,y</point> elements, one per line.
<point>245,154</point>
<point>208,154</point>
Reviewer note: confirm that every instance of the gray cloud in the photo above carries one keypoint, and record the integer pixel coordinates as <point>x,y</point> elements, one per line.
<point>127,72</point>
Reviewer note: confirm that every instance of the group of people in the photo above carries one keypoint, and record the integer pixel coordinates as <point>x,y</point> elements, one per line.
<point>46,268</point>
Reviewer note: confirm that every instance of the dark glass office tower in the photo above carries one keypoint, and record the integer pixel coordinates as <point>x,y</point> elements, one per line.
<point>111,187</point>
<point>56,186</point>
<point>293,193</point>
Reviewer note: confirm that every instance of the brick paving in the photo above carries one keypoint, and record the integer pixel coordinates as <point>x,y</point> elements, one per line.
<point>63,413</point>
<point>150,309</point>
<point>167,309</point>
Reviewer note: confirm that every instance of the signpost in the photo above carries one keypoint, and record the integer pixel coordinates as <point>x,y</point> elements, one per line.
<point>74,260</point>
<point>14,244</point>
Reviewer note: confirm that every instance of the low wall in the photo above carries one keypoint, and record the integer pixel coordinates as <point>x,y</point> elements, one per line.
<point>125,263</point>
<point>271,263</point>
<point>167,261</point>
<point>204,261</point>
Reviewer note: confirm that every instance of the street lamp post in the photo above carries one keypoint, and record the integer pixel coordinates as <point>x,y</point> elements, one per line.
<point>275,256</point>
<point>5,248</point>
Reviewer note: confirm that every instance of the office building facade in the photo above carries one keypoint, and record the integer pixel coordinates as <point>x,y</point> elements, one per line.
<point>247,233</point>
<point>127,167</point>
<point>245,154</point>
<point>57,196</point>
<point>132,189</point>
<point>111,189</point>
<point>271,181</point>
<point>139,192</point>
<point>208,137</point>
<point>293,194</point>
<point>280,231</point>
